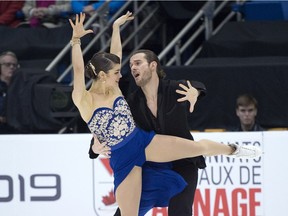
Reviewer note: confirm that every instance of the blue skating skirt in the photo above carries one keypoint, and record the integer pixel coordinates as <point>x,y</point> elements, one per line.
<point>159,183</point>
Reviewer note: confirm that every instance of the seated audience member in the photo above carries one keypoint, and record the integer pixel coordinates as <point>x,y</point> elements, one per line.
<point>246,110</point>
<point>89,7</point>
<point>8,11</point>
<point>40,13</point>
<point>8,67</point>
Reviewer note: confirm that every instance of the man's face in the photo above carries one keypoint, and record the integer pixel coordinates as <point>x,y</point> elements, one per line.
<point>247,114</point>
<point>8,66</point>
<point>140,69</point>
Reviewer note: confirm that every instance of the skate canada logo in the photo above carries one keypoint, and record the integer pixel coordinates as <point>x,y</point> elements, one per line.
<point>104,202</point>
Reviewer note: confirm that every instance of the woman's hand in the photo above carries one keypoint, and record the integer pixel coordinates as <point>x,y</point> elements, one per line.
<point>121,20</point>
<point>190,94</point>
<point>78,28</point>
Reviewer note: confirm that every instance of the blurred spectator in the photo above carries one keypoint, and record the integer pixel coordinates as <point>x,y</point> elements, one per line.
<point>8,66</point>
<point>8,10</point>
<point>89,7</point>
<point>46,13</point>
<point>246,110</point>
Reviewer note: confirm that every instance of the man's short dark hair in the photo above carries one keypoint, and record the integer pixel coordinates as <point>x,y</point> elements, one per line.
<point>246,100</point>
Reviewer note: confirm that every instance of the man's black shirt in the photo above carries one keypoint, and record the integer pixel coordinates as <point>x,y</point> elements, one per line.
<point>171,115</point>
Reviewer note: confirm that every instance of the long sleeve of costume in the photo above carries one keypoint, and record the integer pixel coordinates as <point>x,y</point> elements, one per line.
<point>200,87</point>
<point>92,155</point>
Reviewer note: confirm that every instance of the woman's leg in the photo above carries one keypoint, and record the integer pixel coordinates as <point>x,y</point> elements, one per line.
<point>129,191</point>
<point>165,148</point>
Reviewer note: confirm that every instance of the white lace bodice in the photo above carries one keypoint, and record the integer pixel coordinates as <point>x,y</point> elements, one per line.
<point>112,125</point>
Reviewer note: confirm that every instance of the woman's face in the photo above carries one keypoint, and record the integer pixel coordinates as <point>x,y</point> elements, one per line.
<point>113,76</point>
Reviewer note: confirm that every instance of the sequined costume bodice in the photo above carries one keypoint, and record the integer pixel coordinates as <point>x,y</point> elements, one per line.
<point>112,125</point>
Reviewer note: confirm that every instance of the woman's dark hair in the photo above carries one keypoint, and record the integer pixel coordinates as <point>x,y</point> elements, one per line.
<point>100,62</point>
<point>150,57</point>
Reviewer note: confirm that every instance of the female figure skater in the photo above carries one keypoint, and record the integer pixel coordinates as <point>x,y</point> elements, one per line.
<point>108,117</point>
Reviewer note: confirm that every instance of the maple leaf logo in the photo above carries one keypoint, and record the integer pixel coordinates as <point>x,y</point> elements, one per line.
<point>109,199</point>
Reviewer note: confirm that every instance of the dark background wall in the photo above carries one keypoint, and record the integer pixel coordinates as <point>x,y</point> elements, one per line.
<point>243,57</point>
<point>226,78</point>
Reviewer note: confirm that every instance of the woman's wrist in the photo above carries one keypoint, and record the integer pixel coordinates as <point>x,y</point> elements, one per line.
<point>115,25</point>
<point>75,40</point>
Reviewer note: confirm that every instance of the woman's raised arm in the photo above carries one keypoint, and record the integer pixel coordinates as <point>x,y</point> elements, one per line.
<point>79,88</point>
<point>116,45</point>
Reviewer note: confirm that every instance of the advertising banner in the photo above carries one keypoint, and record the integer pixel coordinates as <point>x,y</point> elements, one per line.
<point>230,186</point>
<point>52,175</point>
